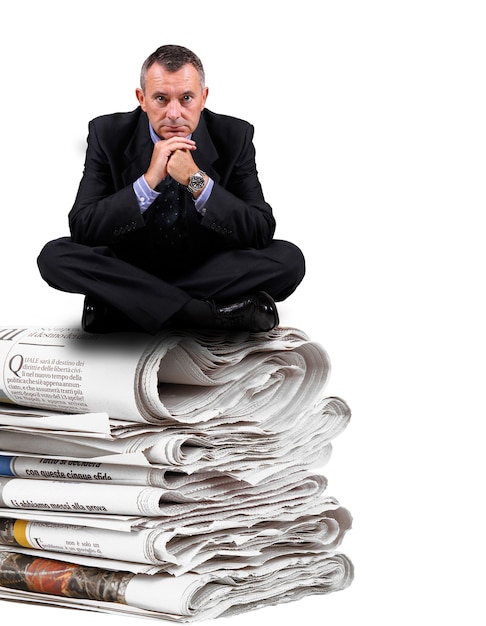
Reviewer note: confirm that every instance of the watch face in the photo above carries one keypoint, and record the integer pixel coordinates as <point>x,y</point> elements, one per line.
<point>196,181</point>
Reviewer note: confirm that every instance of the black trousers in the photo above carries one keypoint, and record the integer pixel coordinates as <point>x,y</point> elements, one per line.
<point>151,299</point>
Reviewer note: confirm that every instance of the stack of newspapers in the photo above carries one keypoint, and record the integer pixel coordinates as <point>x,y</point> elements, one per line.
<point>176,476</point>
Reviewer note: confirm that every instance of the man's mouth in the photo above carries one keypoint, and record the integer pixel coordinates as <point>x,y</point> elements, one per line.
<point>175,130</point>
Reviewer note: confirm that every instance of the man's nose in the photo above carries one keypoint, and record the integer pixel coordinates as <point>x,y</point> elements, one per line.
<point>174,109</point>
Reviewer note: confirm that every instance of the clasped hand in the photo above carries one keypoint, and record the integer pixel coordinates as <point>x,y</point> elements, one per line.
<point>171,157</point>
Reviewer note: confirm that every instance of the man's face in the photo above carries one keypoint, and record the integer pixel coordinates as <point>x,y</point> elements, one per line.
<point>173,101</point>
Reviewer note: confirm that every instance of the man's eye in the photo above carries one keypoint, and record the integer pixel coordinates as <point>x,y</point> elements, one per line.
<point>160,99</point>
<point>186,98</point>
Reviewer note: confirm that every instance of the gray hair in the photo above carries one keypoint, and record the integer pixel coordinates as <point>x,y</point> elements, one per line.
<point>172,58</point>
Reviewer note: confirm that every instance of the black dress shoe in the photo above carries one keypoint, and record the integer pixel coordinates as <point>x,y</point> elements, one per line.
<point>99,317</point>
<point>256,313</point>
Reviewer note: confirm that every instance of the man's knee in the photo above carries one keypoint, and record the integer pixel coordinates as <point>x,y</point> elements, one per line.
<point>49,259</point>
<point>295,261</point>
<point>292,264</point>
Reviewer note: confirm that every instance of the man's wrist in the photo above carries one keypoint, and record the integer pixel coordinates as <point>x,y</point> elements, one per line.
<point>203,198</point>
<point>197,182</point>
<point>144,193</point>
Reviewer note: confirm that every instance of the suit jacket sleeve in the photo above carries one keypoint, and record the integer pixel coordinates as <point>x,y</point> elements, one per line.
<point>236,209</point>
<point>105,207</point>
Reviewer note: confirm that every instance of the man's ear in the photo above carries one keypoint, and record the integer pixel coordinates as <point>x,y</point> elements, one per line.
<point>140,97</point>
<point>205,95</point>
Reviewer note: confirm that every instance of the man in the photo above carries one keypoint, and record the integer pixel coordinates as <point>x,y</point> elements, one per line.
<point>169,226</point>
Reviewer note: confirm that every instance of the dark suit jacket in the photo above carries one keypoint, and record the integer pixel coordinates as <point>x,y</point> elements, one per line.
<point>119,150</point>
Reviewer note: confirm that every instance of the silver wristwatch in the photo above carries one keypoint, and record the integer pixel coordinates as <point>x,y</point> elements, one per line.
<point>196,181</point>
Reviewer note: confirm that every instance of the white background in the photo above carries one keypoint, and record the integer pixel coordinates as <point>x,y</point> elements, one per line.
<point>371,142</point>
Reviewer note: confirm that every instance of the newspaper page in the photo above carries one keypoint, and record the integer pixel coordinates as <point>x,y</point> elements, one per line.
<point>62,369</point>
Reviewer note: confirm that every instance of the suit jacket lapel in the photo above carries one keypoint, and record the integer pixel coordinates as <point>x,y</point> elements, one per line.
<point>206,153</point>
<point>138,151</point>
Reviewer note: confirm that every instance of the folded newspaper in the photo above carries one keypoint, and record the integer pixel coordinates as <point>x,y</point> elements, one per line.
<point>186,598</point>
<point>176,475</point>
<point>225,378</point>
